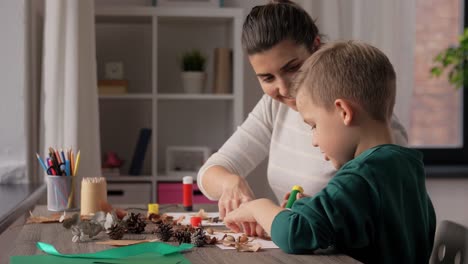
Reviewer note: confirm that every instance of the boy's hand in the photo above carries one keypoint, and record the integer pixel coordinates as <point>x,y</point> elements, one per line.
<point>260,212</point>
<point>286,197</point>
<point>240,219</point>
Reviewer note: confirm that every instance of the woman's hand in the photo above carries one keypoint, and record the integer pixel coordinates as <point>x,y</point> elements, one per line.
<point>235,192</point>
<point>286,197</point>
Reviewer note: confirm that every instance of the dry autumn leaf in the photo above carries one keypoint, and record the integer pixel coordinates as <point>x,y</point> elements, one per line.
<point>249,247</point>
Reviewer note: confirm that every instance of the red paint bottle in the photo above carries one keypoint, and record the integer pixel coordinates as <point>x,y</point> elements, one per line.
<point>187,190</point>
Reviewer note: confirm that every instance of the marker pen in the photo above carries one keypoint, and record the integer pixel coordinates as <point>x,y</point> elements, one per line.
<point>292,196</point>
<point>187,190</point>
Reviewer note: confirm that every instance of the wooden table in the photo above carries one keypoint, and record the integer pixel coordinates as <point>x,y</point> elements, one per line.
<point>55,234</point>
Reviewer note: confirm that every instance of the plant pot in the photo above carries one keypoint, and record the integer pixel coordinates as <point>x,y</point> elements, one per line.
<point>193,82</point>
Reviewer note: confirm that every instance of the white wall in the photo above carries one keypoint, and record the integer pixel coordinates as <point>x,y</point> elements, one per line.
<point>12,97</point>
<point>449,197</point>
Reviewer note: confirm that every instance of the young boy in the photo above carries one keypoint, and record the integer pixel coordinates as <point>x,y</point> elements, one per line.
<point>376,208</point>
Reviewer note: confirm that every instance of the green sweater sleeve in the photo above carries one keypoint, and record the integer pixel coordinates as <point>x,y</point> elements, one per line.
<point>341,215</point>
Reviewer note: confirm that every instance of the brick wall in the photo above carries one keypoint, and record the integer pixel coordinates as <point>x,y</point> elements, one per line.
<point>436,107</point>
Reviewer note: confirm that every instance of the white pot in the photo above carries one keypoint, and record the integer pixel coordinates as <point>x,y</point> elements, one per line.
<point>193,82</point>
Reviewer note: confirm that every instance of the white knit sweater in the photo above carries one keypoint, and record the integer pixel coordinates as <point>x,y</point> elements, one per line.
<point>276,131</point>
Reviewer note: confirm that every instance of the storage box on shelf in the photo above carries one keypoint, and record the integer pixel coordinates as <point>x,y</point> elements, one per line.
<point>149,42</point>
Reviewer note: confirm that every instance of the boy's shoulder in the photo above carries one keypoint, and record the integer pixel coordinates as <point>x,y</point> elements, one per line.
<point>383,159</point>
<point>388,152</point>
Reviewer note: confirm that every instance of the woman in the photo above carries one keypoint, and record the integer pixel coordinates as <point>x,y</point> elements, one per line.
<point>278,37</point>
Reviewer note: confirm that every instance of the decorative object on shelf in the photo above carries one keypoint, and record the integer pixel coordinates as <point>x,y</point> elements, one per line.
<point>111,165</point>
<point>185,160</point>
<point>193,71</point>
<point>140,150</point>
<point>190,3</point>
<point>114,70</point>
<point>454,59</point>
<point>222,71</point>
<point>109,87</point>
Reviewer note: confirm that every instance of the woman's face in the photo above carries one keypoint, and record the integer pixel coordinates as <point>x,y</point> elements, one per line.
<point>276,67</point>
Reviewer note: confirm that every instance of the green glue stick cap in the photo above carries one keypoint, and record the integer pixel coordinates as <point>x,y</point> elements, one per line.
<point>292,196</point>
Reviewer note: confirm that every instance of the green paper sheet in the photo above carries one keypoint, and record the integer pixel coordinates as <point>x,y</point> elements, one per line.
<point>139,253</point>
<point>149,258</point>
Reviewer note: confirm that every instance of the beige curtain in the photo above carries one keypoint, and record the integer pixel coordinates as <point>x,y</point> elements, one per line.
<point>388,25</point>
<point>69,98</point>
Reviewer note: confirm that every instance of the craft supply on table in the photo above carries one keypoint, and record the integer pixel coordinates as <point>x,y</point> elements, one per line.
<point>187,192</point>
<point>153,208</point>
<point>152,252</point>
<point>59,167</point>
<point>292,196</point>
<point>195,221</point>
<point>93,194</point>
<point>60,162</point>
<point>60,193</point>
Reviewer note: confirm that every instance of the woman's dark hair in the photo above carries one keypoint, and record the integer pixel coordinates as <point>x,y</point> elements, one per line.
<point>267,25</point>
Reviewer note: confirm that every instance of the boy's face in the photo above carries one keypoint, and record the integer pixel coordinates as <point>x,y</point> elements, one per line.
<point>329,131</point>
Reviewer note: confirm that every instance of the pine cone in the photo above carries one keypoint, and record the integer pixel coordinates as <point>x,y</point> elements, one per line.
<point>164,232</point>
<point>198,237</point>
<point>135,224</point>
<point>183,236</point>
<point>116,231</point>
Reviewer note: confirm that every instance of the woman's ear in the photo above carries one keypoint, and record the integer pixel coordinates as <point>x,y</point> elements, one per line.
<point>345,110</point>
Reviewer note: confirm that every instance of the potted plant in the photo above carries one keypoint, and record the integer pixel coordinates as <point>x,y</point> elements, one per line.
<point>454,59</point>
<point>193,71</point>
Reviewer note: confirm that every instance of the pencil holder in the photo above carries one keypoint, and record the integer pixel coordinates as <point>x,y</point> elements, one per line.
<point>61,194</point>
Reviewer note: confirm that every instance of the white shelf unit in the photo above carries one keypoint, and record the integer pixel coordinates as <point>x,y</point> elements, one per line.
<point>149,41</point>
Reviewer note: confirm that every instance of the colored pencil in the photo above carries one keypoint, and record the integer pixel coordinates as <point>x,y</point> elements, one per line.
<point>41,162</point>
<point>77,163</point>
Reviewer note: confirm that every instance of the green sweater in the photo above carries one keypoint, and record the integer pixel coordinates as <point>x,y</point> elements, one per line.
<point>376,210</point>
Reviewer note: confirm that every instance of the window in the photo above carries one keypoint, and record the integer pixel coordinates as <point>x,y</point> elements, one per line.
<point>438,115</point>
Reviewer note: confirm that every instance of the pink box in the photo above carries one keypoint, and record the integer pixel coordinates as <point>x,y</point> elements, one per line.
<point>171,193</point>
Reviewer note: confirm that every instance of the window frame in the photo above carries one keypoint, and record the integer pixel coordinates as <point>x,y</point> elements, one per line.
<point>453,156</point>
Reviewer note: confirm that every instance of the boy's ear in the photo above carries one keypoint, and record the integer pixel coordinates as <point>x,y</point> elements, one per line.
<point>317,43</point>
<point>345,110</point>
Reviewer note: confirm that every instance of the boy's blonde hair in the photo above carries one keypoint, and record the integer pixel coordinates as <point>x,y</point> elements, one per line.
<point>349,70</point>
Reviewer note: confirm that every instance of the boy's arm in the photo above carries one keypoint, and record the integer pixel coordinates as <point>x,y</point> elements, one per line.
<point>341,215</point>
<point>262,211</point>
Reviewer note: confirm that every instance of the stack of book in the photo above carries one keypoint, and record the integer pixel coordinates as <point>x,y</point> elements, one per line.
<point>112,87</point>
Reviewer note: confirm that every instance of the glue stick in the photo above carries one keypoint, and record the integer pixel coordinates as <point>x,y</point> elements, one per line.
<point>187,190</point>
<point>292,196</point>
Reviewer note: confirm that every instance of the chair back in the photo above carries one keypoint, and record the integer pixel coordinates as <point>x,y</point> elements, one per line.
<point>450,244</point>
